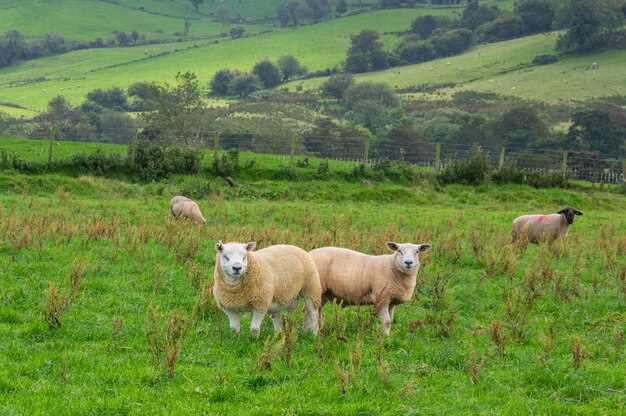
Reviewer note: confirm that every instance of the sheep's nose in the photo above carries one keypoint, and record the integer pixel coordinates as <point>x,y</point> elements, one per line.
<point>408,263</point>
<point>237,269</point>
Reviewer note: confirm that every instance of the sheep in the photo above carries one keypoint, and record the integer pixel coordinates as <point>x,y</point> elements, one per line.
<point>544,227</point>
<point>355,278</point>
<point>270,279</point>
<point>181,206</point>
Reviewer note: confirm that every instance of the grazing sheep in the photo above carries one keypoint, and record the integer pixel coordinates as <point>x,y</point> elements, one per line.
<point>270,279</point>
<point>544,227</point>
<point>359,279</point>
<point>181,206</point>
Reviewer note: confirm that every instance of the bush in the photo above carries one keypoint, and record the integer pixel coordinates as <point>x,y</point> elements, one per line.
<point>472,171</point>
<point>97,163</point>
<point>227,165</point>
<point>545,59</point>
<point>154,161</point>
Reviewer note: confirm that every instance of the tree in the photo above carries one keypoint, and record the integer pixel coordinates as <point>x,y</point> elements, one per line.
<point>134,35</point>
<point>53,43</point>
<point>14,46</point>
<point>537,15</point>
<point>290,67</point>
<point>236,32</point>
<point>113,98</point>
<point>336,85</point>
<point>592,129</point>
<point>588,24</point>
<point>221,80</point>
<point>506,26</point>
<point>476,14</point>
<point>268,73</point>
<point>366,53</point>
<point>452,42</point>
<point>176,113</point>
<point>424,25</point>
<point>520,127</point>
<point>412,50</point>
<point>243,84</point>
<point>341,7</point>
<point>221,14</point>
<point>122,38</point>
<point>196,4</point>
<point>380,93</point>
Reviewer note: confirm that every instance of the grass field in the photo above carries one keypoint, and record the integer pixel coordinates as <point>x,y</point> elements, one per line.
<point>32,83</point>
<point>494,328</point>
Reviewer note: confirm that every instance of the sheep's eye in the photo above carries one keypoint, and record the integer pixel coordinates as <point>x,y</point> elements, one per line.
<point>226,257</point>
<point>400,251</point>
<point>244,257</point>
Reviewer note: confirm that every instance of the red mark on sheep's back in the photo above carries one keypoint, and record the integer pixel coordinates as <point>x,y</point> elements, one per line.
<point>542,218</point>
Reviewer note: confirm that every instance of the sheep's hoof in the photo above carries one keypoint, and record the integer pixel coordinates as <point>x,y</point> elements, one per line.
<point>255,332</point>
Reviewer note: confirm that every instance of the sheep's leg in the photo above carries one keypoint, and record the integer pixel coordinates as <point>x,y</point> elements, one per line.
<point>233,318</point>
<point>392,308</point>
<point>385,318</point>
<point>278,322</point>
<point>255,325</point>
<point>311,321</point>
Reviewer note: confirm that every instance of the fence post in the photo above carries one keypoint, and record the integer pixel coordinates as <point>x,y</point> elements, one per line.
<point>216,146</point>
<point>564,165</point>
<point>54,133</point>
<point>624,174</point>
<point>437,159</point>
<point>501,161</point>
<point>133,145</point>
<point>293,152</point>
<point>366,150</point>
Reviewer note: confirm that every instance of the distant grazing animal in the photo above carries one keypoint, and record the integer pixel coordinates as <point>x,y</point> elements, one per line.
<point>181,206</point>
<point>359,279</point>
<point>544,227</point>
<point>268,280</point>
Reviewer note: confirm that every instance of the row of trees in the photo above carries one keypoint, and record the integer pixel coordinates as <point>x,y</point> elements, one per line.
<point>15,47</point>
<point>265,74</point>
<point>588,24</point>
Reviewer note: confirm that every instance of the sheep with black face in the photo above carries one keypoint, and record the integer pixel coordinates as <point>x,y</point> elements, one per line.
<point>542,227</point>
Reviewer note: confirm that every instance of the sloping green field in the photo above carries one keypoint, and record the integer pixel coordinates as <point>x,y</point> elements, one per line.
<point>316,46</point>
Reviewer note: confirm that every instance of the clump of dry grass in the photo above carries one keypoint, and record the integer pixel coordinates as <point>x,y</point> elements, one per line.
<point>58,301</point>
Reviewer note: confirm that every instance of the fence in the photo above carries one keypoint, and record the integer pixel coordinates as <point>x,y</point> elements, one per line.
<point>590,166</point>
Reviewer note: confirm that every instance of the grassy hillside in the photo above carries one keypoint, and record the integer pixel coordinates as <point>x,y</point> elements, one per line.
<point>504,68</point>
<point>492,328</point>
<point>316,46</point>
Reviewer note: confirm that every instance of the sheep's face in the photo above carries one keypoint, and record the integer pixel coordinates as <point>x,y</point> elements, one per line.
<point>233,258</point>
<point>568,213</point>
<point>407,255</point>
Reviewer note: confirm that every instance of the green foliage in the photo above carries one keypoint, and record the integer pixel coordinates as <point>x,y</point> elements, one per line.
<point>227,164</point>
<point>366,53</point>
<point>112,98</point>
<point>243,84</point>
<point>592,129</point>
<point>155,161</point>
<point>336,85</point>
<point>474,170</point>
<point>476,14</point>
<point>290,67</point>
<point>506,26</point>
<point>588,24</point>
<point>268,73</point>
<point>537,15</point>
<point>98,163</point>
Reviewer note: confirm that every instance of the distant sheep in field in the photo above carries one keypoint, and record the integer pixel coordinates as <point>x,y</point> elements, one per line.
<point>355,278</point>
<point>544,227</point>
<point>181,206</point>
<point>268,280</point>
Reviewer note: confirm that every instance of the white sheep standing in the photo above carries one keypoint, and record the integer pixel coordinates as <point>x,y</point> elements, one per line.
<point>181,206</point>
<point>542,227</point>
<point>270,279</point>
<point>355,278</point>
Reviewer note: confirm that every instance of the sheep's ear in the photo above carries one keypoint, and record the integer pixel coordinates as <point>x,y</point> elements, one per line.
<point>578,212</point>
<point>251,245</point>
<point>561,211</point>
<point>392,246</point>
<point>423,248</point>
<point>218,246</point>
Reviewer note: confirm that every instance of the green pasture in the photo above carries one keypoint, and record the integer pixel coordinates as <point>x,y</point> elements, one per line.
<point>33,83</point>
<point>141,271</point>
<point>505,68</point>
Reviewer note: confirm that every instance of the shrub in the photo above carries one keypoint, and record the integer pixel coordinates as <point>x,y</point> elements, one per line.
<point>472,171</point>
<point>228,164</point>
<point>154,161</point>
<point>97,163</point>
<point>545,59</point>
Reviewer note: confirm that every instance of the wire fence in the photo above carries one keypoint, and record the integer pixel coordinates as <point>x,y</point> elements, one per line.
<point>583,165</point>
